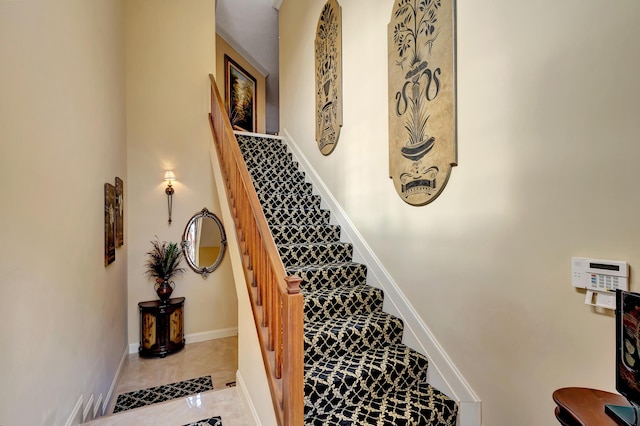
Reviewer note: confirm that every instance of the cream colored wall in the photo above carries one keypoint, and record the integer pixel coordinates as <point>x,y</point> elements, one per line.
<point>170,52</point>
<point>222,48</point>
<point>62,136</point>
<point>547,137</point>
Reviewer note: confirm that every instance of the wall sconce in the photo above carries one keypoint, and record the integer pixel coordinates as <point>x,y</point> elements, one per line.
<point>169,177</point>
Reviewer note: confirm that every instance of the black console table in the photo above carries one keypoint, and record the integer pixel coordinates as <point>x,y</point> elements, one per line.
<point>161,327</point>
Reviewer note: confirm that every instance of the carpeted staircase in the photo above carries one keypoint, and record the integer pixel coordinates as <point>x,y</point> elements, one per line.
<point>357,371</point>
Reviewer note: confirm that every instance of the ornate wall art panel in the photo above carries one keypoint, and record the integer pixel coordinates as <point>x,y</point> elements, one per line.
<point>328,49</point>
<point>422,137</point>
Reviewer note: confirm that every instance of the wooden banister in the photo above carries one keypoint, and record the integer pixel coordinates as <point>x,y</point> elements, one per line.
<point>275,298</point>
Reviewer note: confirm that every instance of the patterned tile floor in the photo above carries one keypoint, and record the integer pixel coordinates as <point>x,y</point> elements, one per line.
<point>217,358</point>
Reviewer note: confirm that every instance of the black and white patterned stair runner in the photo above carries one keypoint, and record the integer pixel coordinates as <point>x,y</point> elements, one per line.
<point>357,371</point>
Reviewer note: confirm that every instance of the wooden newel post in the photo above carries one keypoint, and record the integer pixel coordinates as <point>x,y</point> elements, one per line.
<point>293,284</point>
<point>293,362</point>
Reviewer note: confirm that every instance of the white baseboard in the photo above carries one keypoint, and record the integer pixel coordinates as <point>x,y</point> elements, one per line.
<point>197,337</point>
<point>211,335</point>
<point>91,410</point>
<point>105,404</point>
<point>75,418</point>
<point>88,409</point>
<point>246,399</point>
<point>442,372</point>
<point>97,406</point>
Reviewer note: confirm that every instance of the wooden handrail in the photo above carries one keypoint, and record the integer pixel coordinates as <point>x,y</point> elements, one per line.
<point>276,300</point>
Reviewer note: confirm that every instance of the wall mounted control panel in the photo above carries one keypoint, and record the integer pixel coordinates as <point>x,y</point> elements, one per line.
<point>601,278</point>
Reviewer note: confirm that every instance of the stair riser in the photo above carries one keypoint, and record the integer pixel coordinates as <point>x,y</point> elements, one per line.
<point>285,235</point>
<point>421,405</point>
<point>278,175</point>
<point>266,154</point>
<point>248,145</point>
<point>251,145</point>
<point>315,254</point>
<point>258,141</point>
<point>296,217</point>
<point>352,380</point>
<point>283,186</point>
<point>289,201</point>
<point>331,339</point>
<point>284,162</point>
<point>330,276</point>
<point>260,167</point>
<point>360,300</point>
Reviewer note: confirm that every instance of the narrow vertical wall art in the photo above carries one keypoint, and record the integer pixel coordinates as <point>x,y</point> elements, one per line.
<point>422,122</point>
<point>109,222</point>
<point>119,212</point>
<point>328,50</point>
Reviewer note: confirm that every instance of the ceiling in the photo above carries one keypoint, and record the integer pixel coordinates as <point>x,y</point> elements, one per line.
<point>251,27</point>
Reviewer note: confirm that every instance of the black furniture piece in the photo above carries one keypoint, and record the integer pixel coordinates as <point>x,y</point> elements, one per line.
<point>161,327</point>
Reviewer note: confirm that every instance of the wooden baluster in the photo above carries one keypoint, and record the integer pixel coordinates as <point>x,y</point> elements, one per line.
<point>277,342</point>
<point>274,329</point>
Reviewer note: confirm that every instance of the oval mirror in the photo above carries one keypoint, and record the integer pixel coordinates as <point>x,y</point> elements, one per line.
<point>204,242</point>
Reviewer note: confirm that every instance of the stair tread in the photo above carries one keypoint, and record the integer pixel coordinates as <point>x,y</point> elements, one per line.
<point>350,363</point>
<point>322,304</point>
<point>326,339</point>
<point>368,374</point>
<point>334,275</point>
<point>421,404</point>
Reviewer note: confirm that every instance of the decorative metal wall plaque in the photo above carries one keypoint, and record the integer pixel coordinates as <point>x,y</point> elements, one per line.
<point>328,49</point>
<point>422,137</point>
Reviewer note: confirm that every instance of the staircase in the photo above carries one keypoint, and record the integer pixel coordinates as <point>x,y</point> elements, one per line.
<point>357,371</point>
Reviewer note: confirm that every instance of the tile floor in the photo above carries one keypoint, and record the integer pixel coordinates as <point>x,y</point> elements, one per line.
<point>217,358</point>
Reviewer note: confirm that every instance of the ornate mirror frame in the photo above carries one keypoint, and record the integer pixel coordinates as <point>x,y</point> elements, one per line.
<point>186,243</point>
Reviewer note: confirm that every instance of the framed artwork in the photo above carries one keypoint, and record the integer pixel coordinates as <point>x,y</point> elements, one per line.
<point>119,212</point>
<point>422,83</point>
<point>240,90</point>
<point>328,52</point>
<point>109,223</point>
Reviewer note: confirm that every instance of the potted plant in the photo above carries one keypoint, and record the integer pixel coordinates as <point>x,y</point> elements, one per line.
<point>163,262</point>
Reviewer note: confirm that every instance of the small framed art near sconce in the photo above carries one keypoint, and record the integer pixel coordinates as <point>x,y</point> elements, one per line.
<point>119,223</point>
<point>113,219</point>
<point>169,177</point>
<point>109,223</point>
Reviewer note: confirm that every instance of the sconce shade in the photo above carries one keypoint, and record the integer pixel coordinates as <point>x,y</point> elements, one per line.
<point>168,175</point>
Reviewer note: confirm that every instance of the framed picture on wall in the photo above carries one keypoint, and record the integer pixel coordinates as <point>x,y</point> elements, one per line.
<point>109,223</point>
<point>240,90</point>
<point>119,212</point>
